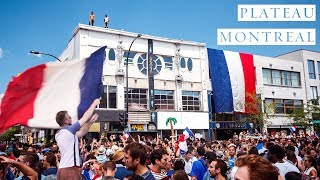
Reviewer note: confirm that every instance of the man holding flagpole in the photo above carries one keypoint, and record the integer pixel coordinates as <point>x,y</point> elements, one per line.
<point>67,140</point>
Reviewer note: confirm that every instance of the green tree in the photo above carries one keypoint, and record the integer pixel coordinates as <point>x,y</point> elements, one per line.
<point>9,134</point>
<point>304,116</point>
<point>254,111</point>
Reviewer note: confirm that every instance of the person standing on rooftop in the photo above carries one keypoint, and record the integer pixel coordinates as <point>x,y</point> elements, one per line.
<point>106,21</point>
<point>91,18</point>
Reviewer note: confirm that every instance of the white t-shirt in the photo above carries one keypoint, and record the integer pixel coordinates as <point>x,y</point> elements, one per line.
<point>307,171</point>
<point>286,167</point>
<point>106,19</point>
<point>188,165</point>
<point>65,139</point>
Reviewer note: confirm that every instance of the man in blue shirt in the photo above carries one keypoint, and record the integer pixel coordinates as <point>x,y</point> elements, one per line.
<point>199,167</point>
<point>210,156</point>
<point>135,156</point>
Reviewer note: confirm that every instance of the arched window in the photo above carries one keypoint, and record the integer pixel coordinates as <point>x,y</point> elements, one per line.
<point>182,63</point>
<point>189,64</point>
<point>112,55</point>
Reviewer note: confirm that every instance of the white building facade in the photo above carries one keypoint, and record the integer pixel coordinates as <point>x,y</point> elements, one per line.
<point>182,88</point>
<point>280,84</point>
<point>181,79</point>
<point>311,64</point>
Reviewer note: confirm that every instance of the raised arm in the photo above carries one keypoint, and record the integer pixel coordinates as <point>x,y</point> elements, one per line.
<point>87,115</point>
<point>85,128</point>
<point>26,170</point>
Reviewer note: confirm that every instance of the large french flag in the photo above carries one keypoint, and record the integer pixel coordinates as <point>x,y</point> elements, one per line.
<point>34,97</point>
<point>233,80</point>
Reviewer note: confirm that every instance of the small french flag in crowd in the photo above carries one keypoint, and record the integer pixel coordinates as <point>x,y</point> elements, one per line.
<point>187,133</point>
<point>293,129</point>
<point>35,96</point>
<point>125,136</point>
<point>182,140</point>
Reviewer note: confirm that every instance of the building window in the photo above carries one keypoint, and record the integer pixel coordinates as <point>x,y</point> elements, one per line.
<point>312,74</point>
<point>112,97</point>
<point>283,78</point>
<point>314,95</point>
<point>283,106</point>
<point>295,79</point>
<point>143,66</point>
<point>112,55</point>
<point>191,100</point>
<point>298,105</point>
<point>289,106</point>
<point>189,64</point>
<point>267,76</point>
<point>130,57</point>
<point>157,65</point>
<point>279,106</point>
<point>276,80</point>
<point>137,99</point>
<point>109,97</point>
<point>168,62</point>
<point>164,99</point>
<point>269,106</point>
<point>182,63</point>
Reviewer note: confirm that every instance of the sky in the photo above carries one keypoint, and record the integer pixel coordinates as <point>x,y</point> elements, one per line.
<point>47,26</point>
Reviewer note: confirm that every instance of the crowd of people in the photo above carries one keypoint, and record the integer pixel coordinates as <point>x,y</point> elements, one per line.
<point>242,157</point>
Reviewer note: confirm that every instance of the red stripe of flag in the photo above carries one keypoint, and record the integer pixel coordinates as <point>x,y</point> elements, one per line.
<point>17,105</point>
<point>250,79</point>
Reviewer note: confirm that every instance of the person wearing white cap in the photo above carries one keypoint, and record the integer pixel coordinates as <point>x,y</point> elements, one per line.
<point>232,155</point>
<point>102,157</point>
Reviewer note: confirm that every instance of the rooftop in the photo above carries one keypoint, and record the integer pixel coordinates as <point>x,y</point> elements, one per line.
<point>296,51</point>
<point>131,34</point>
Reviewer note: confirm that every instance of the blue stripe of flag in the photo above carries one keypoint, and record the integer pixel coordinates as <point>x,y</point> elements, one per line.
<point>220,81</point>
<point>91,81</point>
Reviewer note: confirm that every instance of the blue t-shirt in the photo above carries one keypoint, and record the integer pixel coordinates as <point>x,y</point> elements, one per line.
<point>199,168</point>
<point>122,172</point>
<point>207,176</point>
<point>231,162</point>
<point>50,171</point>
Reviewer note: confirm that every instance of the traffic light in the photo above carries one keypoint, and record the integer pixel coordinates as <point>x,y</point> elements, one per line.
<point>122,119</point>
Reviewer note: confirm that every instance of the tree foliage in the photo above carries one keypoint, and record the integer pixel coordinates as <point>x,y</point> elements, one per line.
<point>305,116</point>
<point>254,111</point>
<point>9,134</point>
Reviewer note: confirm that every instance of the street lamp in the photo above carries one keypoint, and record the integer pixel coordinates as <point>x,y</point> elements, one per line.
<point>127,80</point>
<point>37,52</point>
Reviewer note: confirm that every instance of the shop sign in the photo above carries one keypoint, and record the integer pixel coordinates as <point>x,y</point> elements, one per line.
<point>137,127</point>
<point>232,125</point>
